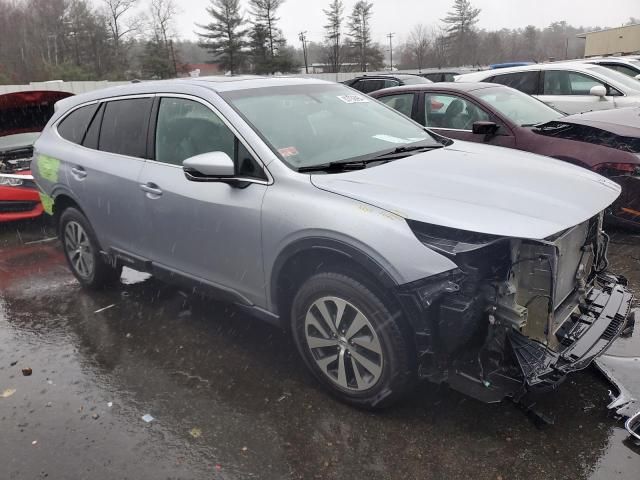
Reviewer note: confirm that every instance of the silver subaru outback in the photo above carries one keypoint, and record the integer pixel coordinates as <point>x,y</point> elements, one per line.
<point>390,253</point>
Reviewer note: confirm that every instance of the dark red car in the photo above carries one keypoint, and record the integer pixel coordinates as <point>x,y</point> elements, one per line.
<point>607,142</point>
<point>22,116</point>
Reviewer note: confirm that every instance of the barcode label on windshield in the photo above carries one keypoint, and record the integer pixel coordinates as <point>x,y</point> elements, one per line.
<point>353,99</point>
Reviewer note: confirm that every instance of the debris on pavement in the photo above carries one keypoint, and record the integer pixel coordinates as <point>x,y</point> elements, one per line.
<point>27,371</point>
<point>148,418</point>
<point>105,308</point>
<point>13,364</point>
<point>35,442</point>
<point>95,416</point>
<point>7,393</point>
<point>109,404</point>
<point>195,432</point>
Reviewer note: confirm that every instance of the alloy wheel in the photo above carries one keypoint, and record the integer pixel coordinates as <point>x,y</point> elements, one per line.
<point>343,343</point>
<point>78,248</point>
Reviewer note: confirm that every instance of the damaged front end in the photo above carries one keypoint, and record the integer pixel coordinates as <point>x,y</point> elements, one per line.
<point>517,314</point>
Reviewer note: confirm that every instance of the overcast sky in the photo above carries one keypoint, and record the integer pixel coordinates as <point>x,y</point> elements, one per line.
<point>400,15</point>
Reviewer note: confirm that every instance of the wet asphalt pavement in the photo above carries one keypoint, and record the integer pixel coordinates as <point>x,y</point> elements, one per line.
<point>231,400</point>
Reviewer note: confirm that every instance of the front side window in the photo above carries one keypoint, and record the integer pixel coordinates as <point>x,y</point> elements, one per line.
<point>310,125</point>
<point>186,128</point>
<point>402,102</point>
<point>451,111</point>
<point>124,127</point>
<point>518,107</point>
<point>557,82</point>
<point>74,125</point>
<point>526,82</point>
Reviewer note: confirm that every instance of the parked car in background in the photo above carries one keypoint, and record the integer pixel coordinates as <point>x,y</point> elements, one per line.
<point>627,66</point>
<point>385,250</point>
<point>373,82</point>
<point>570,87</point>
<point>606,142</point>
<point>497,66</point>
<point>441,75</point>
<point>22,116</point>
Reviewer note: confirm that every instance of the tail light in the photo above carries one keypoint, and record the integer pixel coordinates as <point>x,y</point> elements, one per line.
<point>618,169</point>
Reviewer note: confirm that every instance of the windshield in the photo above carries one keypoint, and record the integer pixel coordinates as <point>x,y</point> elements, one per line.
<point>621,78</point>
<point>310,125</point>
<point>518,107</point>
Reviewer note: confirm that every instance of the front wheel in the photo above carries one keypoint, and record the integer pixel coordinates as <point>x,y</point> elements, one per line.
<point>352,340</point>
<point>82,252</point>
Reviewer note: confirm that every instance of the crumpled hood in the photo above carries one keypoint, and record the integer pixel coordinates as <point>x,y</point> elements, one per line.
<point>480,188</point>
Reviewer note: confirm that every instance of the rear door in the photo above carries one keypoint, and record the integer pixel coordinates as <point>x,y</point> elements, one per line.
<point>106,179</point>
<point>568,91</point>
<point>207,230</point>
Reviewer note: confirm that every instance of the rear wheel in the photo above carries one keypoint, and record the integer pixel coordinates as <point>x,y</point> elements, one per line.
<point>352,340</point>
<point>82,252</point>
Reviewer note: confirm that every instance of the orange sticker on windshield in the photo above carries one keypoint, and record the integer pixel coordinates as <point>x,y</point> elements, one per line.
<point>288,151</point>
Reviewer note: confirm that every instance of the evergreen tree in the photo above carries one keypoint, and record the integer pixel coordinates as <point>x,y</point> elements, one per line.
<point>360,30</point>
<point>333,29</point>
<point>268,52</point>
<point>461,21</point>
<point>225,36</point>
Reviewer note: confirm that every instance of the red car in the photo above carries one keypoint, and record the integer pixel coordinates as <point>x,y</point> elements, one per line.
<point>22,116</point>
<point>607,142</point>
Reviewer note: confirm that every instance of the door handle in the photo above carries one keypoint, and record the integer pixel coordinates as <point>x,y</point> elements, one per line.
<point>79,173</point>
<point>151,189</point>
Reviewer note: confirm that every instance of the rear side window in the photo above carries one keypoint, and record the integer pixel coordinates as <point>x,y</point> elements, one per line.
<point>526,82</point>
<point>74,125</point>
<point>402,102</point>
<point>124,127</point>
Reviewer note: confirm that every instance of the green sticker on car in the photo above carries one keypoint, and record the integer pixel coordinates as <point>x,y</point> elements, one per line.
<point>47,203</point>
<point>48,168</point>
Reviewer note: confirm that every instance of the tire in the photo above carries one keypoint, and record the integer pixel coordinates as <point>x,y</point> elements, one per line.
<point>346,359</point>
<point>82,251</point>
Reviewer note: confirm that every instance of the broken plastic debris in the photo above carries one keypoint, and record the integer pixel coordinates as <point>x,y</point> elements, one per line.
<point>195,432</point>
<point>105,308</point>
<point>8,392</point>
<point>27,371</point>
<point>148,418</point>
<point>109,404</point>
<point>35,442</point>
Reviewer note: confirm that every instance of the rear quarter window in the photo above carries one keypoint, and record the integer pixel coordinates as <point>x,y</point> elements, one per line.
<point>526,82</point>
<point>73,126</point>
<point>124,127</point>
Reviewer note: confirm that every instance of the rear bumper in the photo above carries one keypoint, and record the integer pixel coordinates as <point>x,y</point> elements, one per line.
<point>585,336</point>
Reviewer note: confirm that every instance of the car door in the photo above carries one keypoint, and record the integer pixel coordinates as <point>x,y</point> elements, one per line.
<point>207,230</point>
<point>453,116</point>
<point>568,91</point>
<point>105,178</point>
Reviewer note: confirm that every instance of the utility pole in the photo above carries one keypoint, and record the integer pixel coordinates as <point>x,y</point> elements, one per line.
<point>390,37</point>
<point>303,39</point>
<point>173,58</point>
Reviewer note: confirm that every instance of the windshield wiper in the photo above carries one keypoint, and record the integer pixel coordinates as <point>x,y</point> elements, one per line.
<point>339,166</point>
<point>407,149</point>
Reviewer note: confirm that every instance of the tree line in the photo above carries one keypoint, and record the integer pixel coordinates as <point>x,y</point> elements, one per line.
<point>127,39</point>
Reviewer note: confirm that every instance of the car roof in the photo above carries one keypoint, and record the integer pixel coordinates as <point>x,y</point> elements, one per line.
<point>386,75</point>
<point>451,86</point>
<point>580,66</point>
<point>217,84</point>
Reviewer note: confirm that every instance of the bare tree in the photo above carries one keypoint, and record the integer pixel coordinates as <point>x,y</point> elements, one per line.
<point>121,23</point>
<point>419,44</point>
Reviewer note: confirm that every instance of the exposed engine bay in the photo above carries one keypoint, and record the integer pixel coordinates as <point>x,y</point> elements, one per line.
<point>518,314</point>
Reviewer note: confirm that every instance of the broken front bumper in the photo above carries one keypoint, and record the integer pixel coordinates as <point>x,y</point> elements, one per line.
<point>621,365</point>
<point>584,336</point>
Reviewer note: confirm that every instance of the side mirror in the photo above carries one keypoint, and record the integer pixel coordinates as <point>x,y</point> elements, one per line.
<point>637,77</point>
<point>484,128</point>
<point>209,167</point>
<point>598,91</point>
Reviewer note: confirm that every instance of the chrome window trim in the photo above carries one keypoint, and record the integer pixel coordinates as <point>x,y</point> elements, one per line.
<point>207,104</point>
